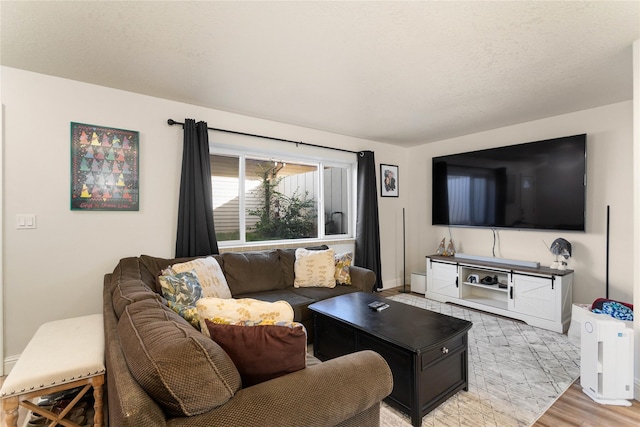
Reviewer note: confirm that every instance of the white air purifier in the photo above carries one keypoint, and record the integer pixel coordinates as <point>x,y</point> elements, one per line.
<point>606,360</point>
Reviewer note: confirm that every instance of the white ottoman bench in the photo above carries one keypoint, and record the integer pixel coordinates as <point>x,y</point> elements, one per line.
<point>62,355</point>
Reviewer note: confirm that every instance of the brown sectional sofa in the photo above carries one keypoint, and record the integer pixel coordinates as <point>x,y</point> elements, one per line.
<point>163,372</point>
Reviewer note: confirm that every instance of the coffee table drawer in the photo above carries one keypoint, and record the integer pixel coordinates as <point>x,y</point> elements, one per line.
<point>443,378</point>
<point>451,346</point>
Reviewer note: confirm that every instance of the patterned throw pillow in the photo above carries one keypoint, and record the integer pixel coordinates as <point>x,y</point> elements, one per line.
<point>343,263</point>
<point>182,290</point>
<point>314,269</point>
<point>261,353</point>
<point>210,275</point>
<point>187,312</point>
<point>230,311</point>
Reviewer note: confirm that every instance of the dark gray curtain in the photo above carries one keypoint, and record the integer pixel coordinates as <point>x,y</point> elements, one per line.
<point>196,232</point>
<point>367,222</point>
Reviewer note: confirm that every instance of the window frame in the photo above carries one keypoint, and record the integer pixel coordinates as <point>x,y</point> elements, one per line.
<point>318,161</point>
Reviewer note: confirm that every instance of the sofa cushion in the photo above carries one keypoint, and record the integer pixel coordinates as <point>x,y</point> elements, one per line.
<point>262,352</point>
<point>210,276</point>
<point>319,294</point>
<point>287,259</point>
<point>129,291</point>
<point>253,271</point>
<point>230,311</point>
<point>314,268</point>
<point>170,360</point>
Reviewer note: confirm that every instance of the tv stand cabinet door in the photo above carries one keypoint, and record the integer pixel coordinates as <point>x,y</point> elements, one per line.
<point>442,278</point>
<point>534,296</point>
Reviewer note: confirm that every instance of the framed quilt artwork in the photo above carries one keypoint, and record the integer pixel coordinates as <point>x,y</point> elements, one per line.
<point>104,168</point>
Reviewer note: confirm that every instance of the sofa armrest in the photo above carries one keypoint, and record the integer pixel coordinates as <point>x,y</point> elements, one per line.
<point>324,394</point>
<point>128,404</point>
<point>362,278</point>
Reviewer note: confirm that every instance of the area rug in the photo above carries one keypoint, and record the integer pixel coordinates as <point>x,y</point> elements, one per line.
<point>516,372</point>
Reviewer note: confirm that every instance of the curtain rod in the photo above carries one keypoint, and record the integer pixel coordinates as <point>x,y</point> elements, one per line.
<point>172,122</point>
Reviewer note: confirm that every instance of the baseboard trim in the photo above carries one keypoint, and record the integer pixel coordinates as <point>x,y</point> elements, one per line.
<point>9,363</point>
<point>394,283</point>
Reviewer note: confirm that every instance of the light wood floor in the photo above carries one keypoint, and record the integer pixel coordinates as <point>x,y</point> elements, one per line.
<point>574,408</point>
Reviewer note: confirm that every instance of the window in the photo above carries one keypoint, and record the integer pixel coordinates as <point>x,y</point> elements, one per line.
<point>259,199</point>
<point>225,171</point>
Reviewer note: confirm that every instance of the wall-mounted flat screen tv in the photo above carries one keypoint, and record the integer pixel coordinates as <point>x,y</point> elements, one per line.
<point>538,185</point>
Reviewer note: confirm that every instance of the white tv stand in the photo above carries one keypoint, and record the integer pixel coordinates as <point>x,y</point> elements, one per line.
<point>539,296</point>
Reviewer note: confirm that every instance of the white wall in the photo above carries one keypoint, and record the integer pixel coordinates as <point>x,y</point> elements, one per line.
<point>56,270</point>
<point>636,207</point>
<point>609,182</point>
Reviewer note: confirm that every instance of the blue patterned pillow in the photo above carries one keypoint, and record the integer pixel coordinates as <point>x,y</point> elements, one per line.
<point>182,290</point>
<point>188,313</point>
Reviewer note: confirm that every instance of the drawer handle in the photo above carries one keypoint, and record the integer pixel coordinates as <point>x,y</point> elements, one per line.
<point>445,350</point>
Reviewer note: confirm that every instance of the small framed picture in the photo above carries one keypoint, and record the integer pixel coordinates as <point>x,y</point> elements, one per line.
<point>388,181</point>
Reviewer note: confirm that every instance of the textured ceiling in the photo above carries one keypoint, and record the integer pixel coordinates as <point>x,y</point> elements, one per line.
<point>404,73</point>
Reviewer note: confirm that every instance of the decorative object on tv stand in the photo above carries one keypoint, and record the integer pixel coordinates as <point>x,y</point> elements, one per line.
<point>448,251</point>
<point>560,248</point>
<point>451,251</point>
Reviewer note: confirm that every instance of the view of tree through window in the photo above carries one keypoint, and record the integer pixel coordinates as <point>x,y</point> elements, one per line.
<point>284,198</point>
<point>264,199</point>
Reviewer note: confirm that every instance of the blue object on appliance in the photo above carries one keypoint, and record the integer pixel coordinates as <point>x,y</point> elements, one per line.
<point>615,310</point>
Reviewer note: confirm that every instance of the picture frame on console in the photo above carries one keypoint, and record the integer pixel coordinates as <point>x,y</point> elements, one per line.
<point>389,183</point>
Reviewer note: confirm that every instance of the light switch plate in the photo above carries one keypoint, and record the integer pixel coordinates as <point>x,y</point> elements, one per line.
<point>26,221</point>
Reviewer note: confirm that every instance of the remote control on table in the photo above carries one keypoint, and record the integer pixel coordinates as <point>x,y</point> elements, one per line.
<point>374,305</point>
<point>382,307</point>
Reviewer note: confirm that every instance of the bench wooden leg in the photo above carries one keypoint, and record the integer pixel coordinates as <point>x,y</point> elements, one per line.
<point>97,383</point>
<point>10,406</point>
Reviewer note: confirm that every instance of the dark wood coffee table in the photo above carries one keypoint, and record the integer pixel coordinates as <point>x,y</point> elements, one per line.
<point>426,351</point>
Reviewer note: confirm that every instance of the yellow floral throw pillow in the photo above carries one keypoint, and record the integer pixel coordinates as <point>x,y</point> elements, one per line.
<point>343,263</point>
<point>314,269</point>
<point>232,311</point>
